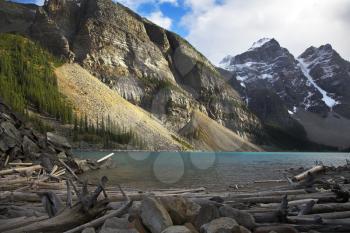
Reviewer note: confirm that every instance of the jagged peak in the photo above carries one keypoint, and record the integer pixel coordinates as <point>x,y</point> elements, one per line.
<point>263,43</point>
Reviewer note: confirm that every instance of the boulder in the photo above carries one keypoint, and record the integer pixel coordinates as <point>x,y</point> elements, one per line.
<point>176,229</point>
<point>136,223</point>
<point>89,230</point>
<point>29,147</point>
<point>207,213</point>
<point>180,209</point>
<point>244,230</point>
<point>243,218</point>
<point>9,136</point>
<point>277,229</point>
<point>116,223</point>
<point>58,141</point>
<point>191,227</point>
<point>154,216</point>
<point>221,225</point>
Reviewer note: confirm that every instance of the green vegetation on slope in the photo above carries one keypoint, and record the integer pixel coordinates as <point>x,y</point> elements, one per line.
<point>105,131</point>
<point>27,79</point>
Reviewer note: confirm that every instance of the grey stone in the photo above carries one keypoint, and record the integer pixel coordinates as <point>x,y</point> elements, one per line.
<point>243,218</point>
<point>154,216</point>
<point>221,225</point>
<point>207,213</point>
<point>180,209</point>
<point>116,223</point>
<point>177,229</point>
<point>29,146</point>
<point>58,141</point>
<point>88,230</point>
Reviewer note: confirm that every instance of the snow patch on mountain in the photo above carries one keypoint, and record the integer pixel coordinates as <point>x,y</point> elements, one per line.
<point>260,43</point>
<point>326,98</point>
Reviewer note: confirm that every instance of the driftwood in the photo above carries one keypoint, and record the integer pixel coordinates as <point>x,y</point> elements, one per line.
<point>100,221</point>
<point>67,219</point>
<point>21,170</point>
<point>69,169</point>
<point>311,171</point>
<point>105,158</point>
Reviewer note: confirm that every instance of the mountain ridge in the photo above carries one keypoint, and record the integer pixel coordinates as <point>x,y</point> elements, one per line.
<point>147,65</point>
<point>316,82</point>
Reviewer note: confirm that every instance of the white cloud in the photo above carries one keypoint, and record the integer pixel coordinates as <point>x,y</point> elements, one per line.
<point>134,4</point>
<point>233,25</point>
<point>157,17</point>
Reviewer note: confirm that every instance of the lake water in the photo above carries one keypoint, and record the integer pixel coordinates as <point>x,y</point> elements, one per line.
<point>212,170</point>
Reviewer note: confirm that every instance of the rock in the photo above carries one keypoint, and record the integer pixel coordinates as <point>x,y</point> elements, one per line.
<point>244,230</point>
<point>88,230</point>
<point>243,218</point>
<point>221,225</point>
<point>207,213</point>
<point>154,215</point>
<point>58,141</point>
<point>177,229</point>
<point>277,229</point>
<point>9,136</point>
<point>136,223</point>
<point>180,209</point>
<point>191,227</point>
<point>116,223</point>
<point>28,146</point>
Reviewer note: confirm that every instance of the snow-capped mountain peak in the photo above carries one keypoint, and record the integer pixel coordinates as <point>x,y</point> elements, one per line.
<point>260,43</point>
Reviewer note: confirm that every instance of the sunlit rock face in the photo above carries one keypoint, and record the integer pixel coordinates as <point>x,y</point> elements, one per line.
<point>146,64</point>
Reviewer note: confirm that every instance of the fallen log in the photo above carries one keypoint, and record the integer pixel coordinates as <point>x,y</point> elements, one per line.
<point>67,219</point>
<point>13,223</point>
<point>290,203</point>
<point>105,158</point>
<point>311,171</point>
<point>101,220</point>
<point>21,169</point>
<point>69,169</point>
<point>322,197</point>
<point>330,207</point>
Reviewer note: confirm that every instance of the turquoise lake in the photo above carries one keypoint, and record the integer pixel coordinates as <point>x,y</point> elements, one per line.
<point>147,170</point>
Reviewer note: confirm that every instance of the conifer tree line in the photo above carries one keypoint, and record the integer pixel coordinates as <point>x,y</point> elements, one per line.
<point>27,81</point>
<point>27,78</point>
<point>104,130</point>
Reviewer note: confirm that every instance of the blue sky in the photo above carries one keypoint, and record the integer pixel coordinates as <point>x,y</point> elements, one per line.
<point>229,27</point>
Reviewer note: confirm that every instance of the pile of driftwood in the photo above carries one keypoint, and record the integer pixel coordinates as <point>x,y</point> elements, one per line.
<point>35,200</point>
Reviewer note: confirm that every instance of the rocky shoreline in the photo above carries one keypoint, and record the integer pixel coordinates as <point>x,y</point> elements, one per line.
<point>315,200</point>
<point>41,191</point>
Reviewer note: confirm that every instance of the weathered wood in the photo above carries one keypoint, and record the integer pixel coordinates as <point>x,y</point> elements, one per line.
<point>322,197</point>
<point>306,209</point>
<point>330,207</point>
<point>14,223</point>
<point>67,219</point>
<point>69,169</point>
<point>313,170</point>
<point>105,158</point>
<point>20,164</point>
<point>101,220</point>
<point>21,169</point>
<point>290,203</point>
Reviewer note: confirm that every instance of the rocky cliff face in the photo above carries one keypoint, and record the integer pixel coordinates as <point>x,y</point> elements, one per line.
<point>276,86</point>
<point>146,64</point>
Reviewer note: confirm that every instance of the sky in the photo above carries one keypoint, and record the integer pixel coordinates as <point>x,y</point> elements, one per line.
<point>229,27</point>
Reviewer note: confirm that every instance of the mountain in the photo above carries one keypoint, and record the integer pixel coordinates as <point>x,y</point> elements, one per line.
<point>162,78</point>
<point>304,97</point>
